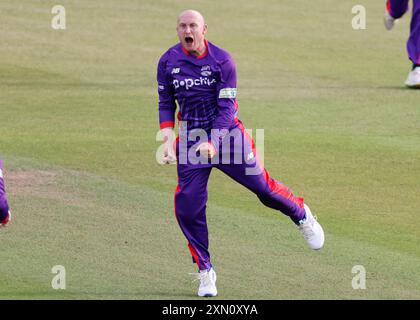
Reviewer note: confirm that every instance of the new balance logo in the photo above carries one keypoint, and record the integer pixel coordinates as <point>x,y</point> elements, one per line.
<point>175,70</point>
<point>250,156</point>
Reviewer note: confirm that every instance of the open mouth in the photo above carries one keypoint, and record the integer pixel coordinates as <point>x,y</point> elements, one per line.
<point>189,40</point>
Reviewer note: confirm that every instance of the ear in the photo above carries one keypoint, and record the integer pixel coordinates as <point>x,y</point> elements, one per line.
<point>204,29</point>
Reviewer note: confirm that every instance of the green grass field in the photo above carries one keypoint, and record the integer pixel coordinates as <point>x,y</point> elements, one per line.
<point>78,110</point>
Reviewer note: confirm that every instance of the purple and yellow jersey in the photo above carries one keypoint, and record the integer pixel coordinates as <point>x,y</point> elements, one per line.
<point>203,86</point>
<point>4,207</point>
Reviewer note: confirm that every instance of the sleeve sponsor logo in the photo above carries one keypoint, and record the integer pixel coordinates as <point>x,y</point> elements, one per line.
<point>227,93</point>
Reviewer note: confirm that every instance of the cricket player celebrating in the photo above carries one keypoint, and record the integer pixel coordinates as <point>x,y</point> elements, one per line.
<point>201,78</point>
<point>4,207</point>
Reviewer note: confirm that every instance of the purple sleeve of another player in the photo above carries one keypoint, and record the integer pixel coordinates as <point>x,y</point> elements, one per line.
<point>226,101</point>
<point>4,207</point>
<point>167,104</point>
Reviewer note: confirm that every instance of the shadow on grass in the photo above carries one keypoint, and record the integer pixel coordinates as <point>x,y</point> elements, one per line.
<point>401,88</point>
<point>92,295</point>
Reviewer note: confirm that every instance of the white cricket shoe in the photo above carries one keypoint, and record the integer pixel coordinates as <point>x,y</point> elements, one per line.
<point>6,221</point>
<point>312,230</point>
<point>207,283</point>
<point>389,21</point>
<point>413,80</point>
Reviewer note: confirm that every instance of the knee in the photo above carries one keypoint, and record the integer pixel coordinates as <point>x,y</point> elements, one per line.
<point>265,200</point>
<point>264,192</point>
<point>265,195</point>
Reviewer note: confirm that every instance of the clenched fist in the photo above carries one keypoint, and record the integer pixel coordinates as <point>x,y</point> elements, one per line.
<point>206,150</point>
<point>169,154</point>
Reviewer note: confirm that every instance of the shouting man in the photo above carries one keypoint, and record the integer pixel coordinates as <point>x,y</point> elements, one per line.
<point>201,78</point>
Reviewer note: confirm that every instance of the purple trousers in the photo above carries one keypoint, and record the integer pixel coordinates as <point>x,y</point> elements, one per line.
<point>4,207</point>
<point>397,8</point>
<point>191,191</point>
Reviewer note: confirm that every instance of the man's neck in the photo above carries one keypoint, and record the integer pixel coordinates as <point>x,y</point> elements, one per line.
<point>201,49</point>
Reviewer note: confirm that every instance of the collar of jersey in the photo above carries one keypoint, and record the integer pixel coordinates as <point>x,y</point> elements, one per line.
<point>201,56</point>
